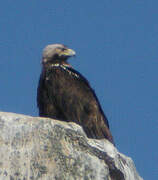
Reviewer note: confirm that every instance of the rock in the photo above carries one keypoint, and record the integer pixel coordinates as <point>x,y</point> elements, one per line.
<point>33,148</point>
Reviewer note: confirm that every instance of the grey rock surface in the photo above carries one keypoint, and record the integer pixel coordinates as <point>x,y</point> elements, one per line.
<point>33,148</point>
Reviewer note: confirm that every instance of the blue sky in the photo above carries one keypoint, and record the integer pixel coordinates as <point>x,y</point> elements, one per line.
<point>116,44</point>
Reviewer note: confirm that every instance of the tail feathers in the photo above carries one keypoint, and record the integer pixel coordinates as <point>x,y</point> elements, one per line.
<point>99,133</point>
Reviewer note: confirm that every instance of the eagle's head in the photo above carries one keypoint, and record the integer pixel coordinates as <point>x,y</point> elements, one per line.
<point>56,53</point>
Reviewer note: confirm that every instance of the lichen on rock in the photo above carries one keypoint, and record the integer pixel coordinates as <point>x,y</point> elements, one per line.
<point>45,149</point>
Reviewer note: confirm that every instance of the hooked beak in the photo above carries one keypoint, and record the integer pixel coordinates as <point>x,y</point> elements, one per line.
<point>68,53</point>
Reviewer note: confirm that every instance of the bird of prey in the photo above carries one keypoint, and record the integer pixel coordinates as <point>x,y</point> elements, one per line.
<point>64,94</point>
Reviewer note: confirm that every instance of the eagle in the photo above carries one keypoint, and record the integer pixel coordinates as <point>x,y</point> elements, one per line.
<point>65,94</point>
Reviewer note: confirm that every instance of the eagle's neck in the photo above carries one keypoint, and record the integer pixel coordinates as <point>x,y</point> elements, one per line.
<point>66,67</point>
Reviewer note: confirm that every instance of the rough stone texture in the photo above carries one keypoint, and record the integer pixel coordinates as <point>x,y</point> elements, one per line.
<point>33,148</point>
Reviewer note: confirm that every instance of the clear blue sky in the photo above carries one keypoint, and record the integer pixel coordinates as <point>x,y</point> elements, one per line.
<point>117,51</point>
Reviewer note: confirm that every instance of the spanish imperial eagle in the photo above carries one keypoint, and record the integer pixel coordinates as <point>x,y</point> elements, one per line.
<point>64,94</point>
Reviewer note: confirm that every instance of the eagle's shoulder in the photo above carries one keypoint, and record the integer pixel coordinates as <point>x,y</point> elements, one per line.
<point>63,72</point>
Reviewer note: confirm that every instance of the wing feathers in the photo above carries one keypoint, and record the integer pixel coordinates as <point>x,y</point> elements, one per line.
<point>70,98</point>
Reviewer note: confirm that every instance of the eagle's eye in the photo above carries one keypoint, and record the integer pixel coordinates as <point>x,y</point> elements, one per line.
<point>60,49</point>
<point>63,49</point>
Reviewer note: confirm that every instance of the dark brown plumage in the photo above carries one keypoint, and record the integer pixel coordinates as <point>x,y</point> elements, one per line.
<point>64,94</point>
